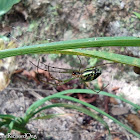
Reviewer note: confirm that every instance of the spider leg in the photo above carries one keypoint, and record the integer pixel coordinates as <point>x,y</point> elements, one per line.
<point>55,67</point>
<point>48,82</point>
<point>90,88</point>
<point>80,63</point>
<point>65,81</point>
<point>56,79</point>
<point>37,65</point>
<point>101,65</point>
<point>94,90</point>
<point>52,76</point>
<point>48,67</point>
<point>60,81</point>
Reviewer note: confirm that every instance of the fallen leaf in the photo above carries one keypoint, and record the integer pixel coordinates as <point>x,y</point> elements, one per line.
<point>7,65</point>
<point>113,101</point>
<point>115,88</point>
<point>134,120</point>
<point>87,98</point>
<point>45,73</point>
<point>31,75</point>
<point>116,138</point>
<point>4,80</point>
<point>18,71</point>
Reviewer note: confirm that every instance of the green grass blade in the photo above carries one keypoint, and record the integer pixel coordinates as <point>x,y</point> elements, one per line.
<point>7,121</point>
<point>137,14</point>
<point>132,61</point>
<point>34,106</point>
<point>89,91</point>
<point>11,125</point>
<point>21,128</point>
<point>5,124</point>
<point>6,5</point>
<point>7,117</point>
<point>72,44</point>
<point>12,122</point>
<point>49,116</point>
<point>80,109</point>
<point>102,112</point>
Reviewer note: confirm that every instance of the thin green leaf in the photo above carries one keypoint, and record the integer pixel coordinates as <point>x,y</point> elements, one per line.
<point>7,117</point>
<point>89,91</point>
<point>34,106</point>
<point>80,109</point>
<point>132,61</point>
<point>11,126</point>
<point>6,5</point>
<point>72,44</point>
<point>49,116</point>
<point>102,112</point>
<point>137,14</point>
<point>21,128</point>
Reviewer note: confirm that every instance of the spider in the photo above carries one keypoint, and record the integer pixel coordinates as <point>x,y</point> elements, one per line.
<point>85,75</point>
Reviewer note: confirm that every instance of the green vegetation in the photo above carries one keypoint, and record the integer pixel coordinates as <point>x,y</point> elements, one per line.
<point>6,5</point>
<point>19,123</point>
<point>137,14</point>
<point>63,47</point>
<point>72,47</point>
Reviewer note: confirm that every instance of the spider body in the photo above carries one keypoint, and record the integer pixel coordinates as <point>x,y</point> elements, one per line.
<point>88,74</point>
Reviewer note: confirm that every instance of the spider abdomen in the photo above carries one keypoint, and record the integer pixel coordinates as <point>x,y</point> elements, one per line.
<point>90,74</point>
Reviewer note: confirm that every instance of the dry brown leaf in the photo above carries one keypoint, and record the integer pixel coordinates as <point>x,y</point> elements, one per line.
<point>85,98</point>
<point>115,88</point>
<point>31,75</point>
<point>113,101</point>
<point>116,138</point>
<point>4,80</point>
<point>7,65</point>
<point>134,120</point>
<point>18,71</point>
<point>45,73</point>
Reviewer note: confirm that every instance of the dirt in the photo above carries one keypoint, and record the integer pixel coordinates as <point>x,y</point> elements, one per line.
<point>40,21</point>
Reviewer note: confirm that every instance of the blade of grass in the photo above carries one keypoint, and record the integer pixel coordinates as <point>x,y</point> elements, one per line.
<point>7,117</point>
<point>72,44</point>
<point>132,61</point>
<point>12,122</point>
<point>33,108</point>
<point>102,112</point>
<point>80,109</point>
<point>137,14</point>
<point>38,103</point>
<point>49,116</point>
<point>89,91</point>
